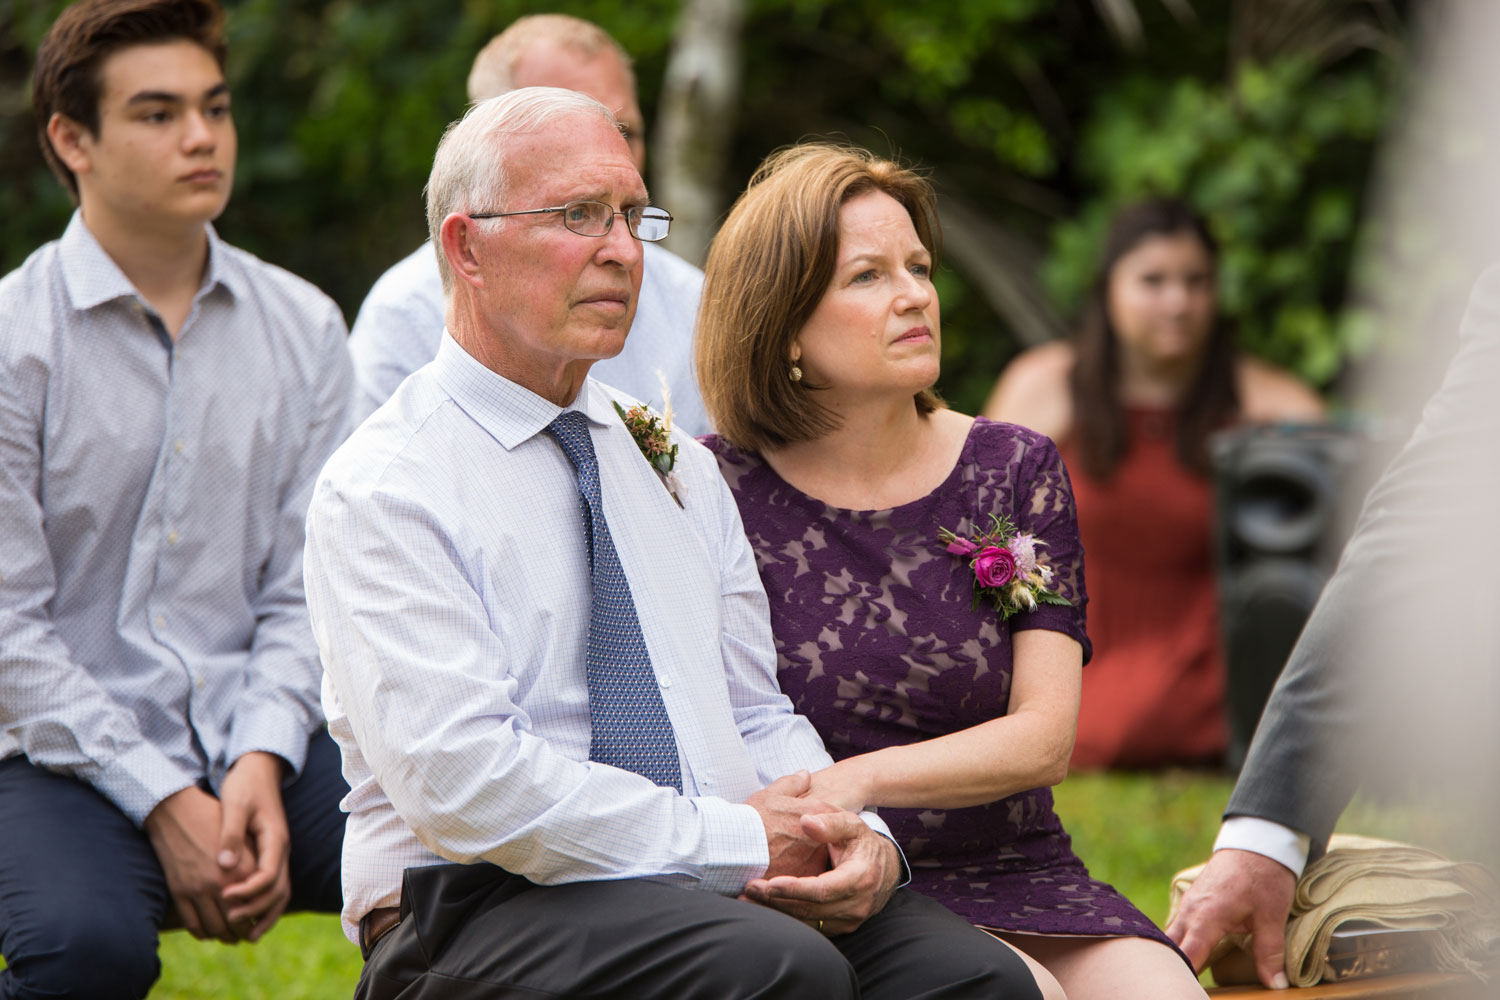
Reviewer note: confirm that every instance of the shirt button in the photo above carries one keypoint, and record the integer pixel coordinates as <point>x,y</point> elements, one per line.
<point>200,682</point>
<point>160,621</point>
<point>665,682</point>
<point>177,447</point>
<point>171,538</point>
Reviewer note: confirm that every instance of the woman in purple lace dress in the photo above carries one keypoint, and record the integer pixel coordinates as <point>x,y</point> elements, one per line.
<point>817,349</point>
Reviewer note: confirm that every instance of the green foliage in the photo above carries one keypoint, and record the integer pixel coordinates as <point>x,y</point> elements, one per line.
<point>339,105</point>
<point>1027,111</point>
<point>1276,161</point>
<point>1031,114</point>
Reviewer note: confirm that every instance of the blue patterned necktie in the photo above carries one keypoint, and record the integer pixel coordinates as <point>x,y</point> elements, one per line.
<point>630,725</point>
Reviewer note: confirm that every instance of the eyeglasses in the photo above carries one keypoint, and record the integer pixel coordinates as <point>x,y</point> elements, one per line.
<point>594,218</point>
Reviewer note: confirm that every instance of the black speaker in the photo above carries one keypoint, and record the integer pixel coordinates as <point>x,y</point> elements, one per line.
<point>1278,532</point>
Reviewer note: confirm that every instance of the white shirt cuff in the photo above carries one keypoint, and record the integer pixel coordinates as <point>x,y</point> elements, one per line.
<point>1262,836</point>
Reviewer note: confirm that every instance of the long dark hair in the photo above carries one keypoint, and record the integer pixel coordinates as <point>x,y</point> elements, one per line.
<point>1211,399</point>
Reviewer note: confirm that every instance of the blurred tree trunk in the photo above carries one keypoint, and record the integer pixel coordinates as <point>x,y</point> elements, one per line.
<point>695,117</point>
<point>1002,266</point>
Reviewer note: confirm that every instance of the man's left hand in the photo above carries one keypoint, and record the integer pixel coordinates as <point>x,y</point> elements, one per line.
<point>255,822</point>
<point>866,868</point>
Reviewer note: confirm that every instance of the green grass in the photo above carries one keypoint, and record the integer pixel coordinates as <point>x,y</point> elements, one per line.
<point>305,957</point>
<point>1132,830</point>
<point>1135,831</point>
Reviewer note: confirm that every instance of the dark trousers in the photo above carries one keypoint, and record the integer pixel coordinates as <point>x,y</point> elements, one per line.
<point>82,895</point>
<point>474,931</point>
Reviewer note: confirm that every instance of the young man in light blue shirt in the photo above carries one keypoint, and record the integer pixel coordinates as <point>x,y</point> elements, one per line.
<point>165,401</point>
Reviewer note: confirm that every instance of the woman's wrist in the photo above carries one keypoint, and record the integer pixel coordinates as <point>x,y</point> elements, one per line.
<point>847,784</point>
<point>864,777</point>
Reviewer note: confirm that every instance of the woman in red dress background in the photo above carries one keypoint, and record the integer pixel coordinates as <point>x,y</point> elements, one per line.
<point>1131,402</point>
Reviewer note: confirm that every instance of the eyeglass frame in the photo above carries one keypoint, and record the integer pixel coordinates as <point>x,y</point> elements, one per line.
<point>590,201</point>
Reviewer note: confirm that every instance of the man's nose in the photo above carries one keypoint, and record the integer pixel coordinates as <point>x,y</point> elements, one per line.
<point>198,132</point>
<point>618,246</point>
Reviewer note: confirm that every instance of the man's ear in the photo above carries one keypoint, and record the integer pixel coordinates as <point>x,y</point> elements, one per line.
<point>70,141</point>
<point>459,234</point>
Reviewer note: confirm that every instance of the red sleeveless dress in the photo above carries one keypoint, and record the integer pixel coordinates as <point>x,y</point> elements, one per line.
<point>1154,692</point>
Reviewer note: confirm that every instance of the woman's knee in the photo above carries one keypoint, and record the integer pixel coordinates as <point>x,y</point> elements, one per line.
<point>1046,983</point>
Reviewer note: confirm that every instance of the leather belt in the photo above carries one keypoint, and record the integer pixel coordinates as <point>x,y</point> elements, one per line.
<point>375,925</point>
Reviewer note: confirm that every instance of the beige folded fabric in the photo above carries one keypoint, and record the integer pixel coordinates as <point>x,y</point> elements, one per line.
<point>1383,884</point>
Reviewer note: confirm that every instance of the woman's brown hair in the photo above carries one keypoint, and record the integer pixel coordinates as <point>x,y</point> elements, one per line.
<point>768,269</point>
<point>1211,399</point>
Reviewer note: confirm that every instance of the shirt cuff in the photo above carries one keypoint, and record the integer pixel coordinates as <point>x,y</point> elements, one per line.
<point>270,729</point>
<point>1265,837</point>
<point>139,779</point>
<point>874,822</point>
<point>735,838</point>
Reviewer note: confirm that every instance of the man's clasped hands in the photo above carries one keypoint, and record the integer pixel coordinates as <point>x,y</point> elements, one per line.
<point>226,858</point>
<point>828,868</point>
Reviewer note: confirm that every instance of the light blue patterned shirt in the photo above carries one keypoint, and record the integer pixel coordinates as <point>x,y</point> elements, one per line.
<point>400,325</point>
<point>152,621</point>
<point>449,587</point>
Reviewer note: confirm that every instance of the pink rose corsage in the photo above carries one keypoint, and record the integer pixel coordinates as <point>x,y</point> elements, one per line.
<point>1008,573</point>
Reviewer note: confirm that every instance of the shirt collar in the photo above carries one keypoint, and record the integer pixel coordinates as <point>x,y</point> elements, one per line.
<point>92,277</point>
<point>510,413</point>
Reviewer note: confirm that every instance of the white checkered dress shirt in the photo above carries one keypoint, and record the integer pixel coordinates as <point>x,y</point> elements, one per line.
<point>152,498</point>
<point>449,588</point>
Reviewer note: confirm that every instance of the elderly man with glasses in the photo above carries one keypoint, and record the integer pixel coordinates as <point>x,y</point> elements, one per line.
<point>553,680</point>
<point>400,323</point>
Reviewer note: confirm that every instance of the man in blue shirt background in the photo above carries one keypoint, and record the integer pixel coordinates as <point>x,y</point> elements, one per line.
<point>165,401</point>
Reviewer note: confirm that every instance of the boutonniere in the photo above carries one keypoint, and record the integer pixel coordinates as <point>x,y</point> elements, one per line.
<point>1007,570</point>
<point>653,435</point>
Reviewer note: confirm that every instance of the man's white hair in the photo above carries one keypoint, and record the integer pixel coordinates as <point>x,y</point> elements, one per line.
<point>494,70</point>
<point>468,172</point>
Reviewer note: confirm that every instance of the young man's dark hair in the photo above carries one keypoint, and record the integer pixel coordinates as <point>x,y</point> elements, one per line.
<point>66,78</point>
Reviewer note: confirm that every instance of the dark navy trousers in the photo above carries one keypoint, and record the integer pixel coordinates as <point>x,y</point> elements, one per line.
<point>82,895</point>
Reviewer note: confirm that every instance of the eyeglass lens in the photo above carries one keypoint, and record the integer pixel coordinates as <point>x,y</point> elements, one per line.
<point>594,218</point>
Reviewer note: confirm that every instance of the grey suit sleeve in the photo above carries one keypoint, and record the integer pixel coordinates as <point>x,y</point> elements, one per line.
<point>1387,664</point>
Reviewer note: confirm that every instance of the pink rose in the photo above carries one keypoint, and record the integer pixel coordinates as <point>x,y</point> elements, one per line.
<point>962,547</point>
<point>994,566</point>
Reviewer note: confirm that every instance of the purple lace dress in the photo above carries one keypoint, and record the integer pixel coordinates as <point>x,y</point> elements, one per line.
<point>878,645</point>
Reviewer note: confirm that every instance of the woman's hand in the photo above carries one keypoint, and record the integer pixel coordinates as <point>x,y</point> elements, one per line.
<point>840,785</point>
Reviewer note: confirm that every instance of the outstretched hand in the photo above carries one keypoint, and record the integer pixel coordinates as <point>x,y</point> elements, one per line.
<point>866,868</point>
<point>1238,892</point>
